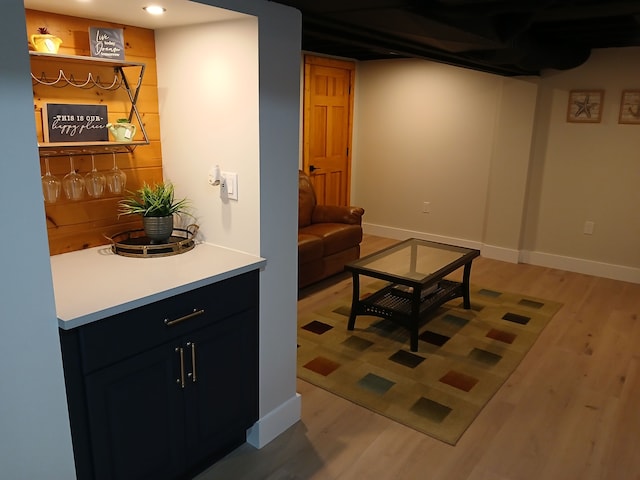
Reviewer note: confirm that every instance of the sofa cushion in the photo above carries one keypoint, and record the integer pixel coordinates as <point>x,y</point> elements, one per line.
<point>310,248</point>
<point>306,200</point>
<point>337,214</point>
<point>335,236</point>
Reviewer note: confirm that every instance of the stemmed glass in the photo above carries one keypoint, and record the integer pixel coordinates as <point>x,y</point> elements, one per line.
<point>116,178</point>
<point>51,185</point>
<point>73,183</point>
<point>95,180</point>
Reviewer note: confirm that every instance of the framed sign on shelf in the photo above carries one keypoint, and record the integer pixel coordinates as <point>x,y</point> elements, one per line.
<point>585,106</point>
<point>630,107</point>
<point>107,42</point>
<point>74,123</point>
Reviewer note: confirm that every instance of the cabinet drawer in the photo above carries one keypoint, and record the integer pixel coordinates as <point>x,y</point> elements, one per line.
<point>114,338</point>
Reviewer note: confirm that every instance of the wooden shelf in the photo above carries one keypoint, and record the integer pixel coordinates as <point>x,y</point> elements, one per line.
<point>80,59</point>
<point>67,79</point>
<point>64,149</point>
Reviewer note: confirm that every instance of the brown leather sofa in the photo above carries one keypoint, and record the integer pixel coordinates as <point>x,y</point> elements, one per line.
<point>328,235</point>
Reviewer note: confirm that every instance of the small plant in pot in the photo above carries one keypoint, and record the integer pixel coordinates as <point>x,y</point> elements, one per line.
<point>43,41</point>
<point>157,205</point>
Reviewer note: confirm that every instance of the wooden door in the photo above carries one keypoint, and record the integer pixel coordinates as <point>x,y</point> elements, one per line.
<point>328,119</point>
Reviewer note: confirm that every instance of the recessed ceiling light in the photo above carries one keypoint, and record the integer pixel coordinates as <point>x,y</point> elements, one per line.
<point>154,9</point>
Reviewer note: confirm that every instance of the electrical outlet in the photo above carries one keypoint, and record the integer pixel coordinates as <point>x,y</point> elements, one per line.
<point>588,228</point>
<point>426,207</point>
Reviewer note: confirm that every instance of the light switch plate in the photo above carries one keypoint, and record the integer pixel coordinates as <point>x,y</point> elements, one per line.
<point>231,179</point>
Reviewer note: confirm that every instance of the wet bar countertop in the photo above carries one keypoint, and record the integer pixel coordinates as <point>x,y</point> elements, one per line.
<point>95,283</point>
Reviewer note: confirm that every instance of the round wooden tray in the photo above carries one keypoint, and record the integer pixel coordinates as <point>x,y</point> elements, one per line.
<point>134,243</point>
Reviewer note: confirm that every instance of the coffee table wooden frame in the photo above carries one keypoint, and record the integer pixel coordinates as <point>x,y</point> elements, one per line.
<point>402,300</point>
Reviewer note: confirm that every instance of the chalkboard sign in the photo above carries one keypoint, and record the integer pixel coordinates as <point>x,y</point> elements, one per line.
<point>75,123</point>
<point>107,42</point>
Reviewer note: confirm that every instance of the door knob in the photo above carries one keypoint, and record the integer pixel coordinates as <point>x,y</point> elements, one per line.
<point>313,168</point>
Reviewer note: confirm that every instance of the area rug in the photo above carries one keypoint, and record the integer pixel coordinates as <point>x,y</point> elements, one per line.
<point>463,358</point>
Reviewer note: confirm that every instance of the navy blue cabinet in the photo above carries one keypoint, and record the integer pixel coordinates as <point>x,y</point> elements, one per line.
<point>164,390</point>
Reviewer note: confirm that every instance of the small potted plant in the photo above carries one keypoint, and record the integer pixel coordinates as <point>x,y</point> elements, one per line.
<point>43,41</point>
<point>157,205</point>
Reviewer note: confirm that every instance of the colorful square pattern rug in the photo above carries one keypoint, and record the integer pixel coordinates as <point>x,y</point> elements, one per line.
<point>463,358</point>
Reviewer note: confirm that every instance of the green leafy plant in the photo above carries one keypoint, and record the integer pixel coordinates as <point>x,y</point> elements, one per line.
<point>153,201</point>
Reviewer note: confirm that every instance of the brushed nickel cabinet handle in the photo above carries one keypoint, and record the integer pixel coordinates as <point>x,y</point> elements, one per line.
<point>193,362</point>
<point>180,352</point>
<point>193,314</point>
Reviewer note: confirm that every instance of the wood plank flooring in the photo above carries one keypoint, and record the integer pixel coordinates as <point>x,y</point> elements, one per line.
<point>569,411</point>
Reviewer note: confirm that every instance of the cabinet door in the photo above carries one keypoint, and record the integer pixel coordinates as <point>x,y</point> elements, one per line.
<point>223,401</point>
<point>136,416</point>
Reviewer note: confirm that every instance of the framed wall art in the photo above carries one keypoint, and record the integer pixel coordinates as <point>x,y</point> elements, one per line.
<point>630,107</point>
<point>585,106</point>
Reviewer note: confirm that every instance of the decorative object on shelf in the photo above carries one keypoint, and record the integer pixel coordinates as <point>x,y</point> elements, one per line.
<point>64,122</point>
<point>122,131</point>
<point>44,42</point>
<point>630,107</point>
<point>107,42</point>
<point>157,205</point>
<point>585,106</point>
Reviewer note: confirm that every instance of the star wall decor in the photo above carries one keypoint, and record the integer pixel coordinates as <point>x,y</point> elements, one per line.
<point>585,106</point>
<point>630,107</point>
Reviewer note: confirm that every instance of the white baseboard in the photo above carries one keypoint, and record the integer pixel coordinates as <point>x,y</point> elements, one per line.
<point>500,253</point>
<point>402,234</point>
<point>275,422</point>
<point>578,265</point>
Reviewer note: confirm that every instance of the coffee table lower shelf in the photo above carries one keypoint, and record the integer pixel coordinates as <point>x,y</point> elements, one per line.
<point>392,303</point>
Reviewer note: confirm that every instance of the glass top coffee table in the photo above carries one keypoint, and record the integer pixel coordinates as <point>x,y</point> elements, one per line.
<point>415,270</point>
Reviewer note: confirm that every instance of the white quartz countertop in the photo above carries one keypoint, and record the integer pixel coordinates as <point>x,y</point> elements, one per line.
<point>96,283</point>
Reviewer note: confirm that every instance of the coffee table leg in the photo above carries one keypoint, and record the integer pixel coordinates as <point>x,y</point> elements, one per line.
<point>355,299</point>
<point>415,319</point>
<point>465,286</point>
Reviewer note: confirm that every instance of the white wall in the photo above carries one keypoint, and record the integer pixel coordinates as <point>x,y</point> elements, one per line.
<point>424,132</point>
<point>587,172</point>
<point>34,424</point>
<point>208,98</point>
<point>279,39</point>
<point>502,168</point>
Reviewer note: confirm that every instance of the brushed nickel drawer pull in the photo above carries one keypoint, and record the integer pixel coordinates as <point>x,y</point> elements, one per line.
<point>195,313</point>
<point>180,380</point>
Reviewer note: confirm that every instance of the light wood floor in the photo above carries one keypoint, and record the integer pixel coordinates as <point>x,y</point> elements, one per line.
<point>571,410</point>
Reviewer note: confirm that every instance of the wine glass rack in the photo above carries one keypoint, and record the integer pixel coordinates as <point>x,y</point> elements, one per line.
<point>121,80</point>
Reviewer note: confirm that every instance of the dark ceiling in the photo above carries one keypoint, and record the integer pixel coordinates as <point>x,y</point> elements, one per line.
<point>506,37</point>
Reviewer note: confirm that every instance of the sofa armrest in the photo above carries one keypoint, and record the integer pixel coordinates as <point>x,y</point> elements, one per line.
<point>337,214</point>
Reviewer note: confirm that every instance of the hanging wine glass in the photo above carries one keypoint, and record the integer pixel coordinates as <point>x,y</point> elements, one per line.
<point>51,185</point>
<point>95,180</point>
<point>116,178</point>
<point>73,183</point>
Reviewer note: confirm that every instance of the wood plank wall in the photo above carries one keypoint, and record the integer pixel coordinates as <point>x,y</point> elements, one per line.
<point>75,225</point>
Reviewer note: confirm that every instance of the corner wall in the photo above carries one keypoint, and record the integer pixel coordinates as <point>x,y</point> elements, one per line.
<point>586,172</point>
<point>279,40</point>
<point>34,423</point>
<point>502,169</point>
